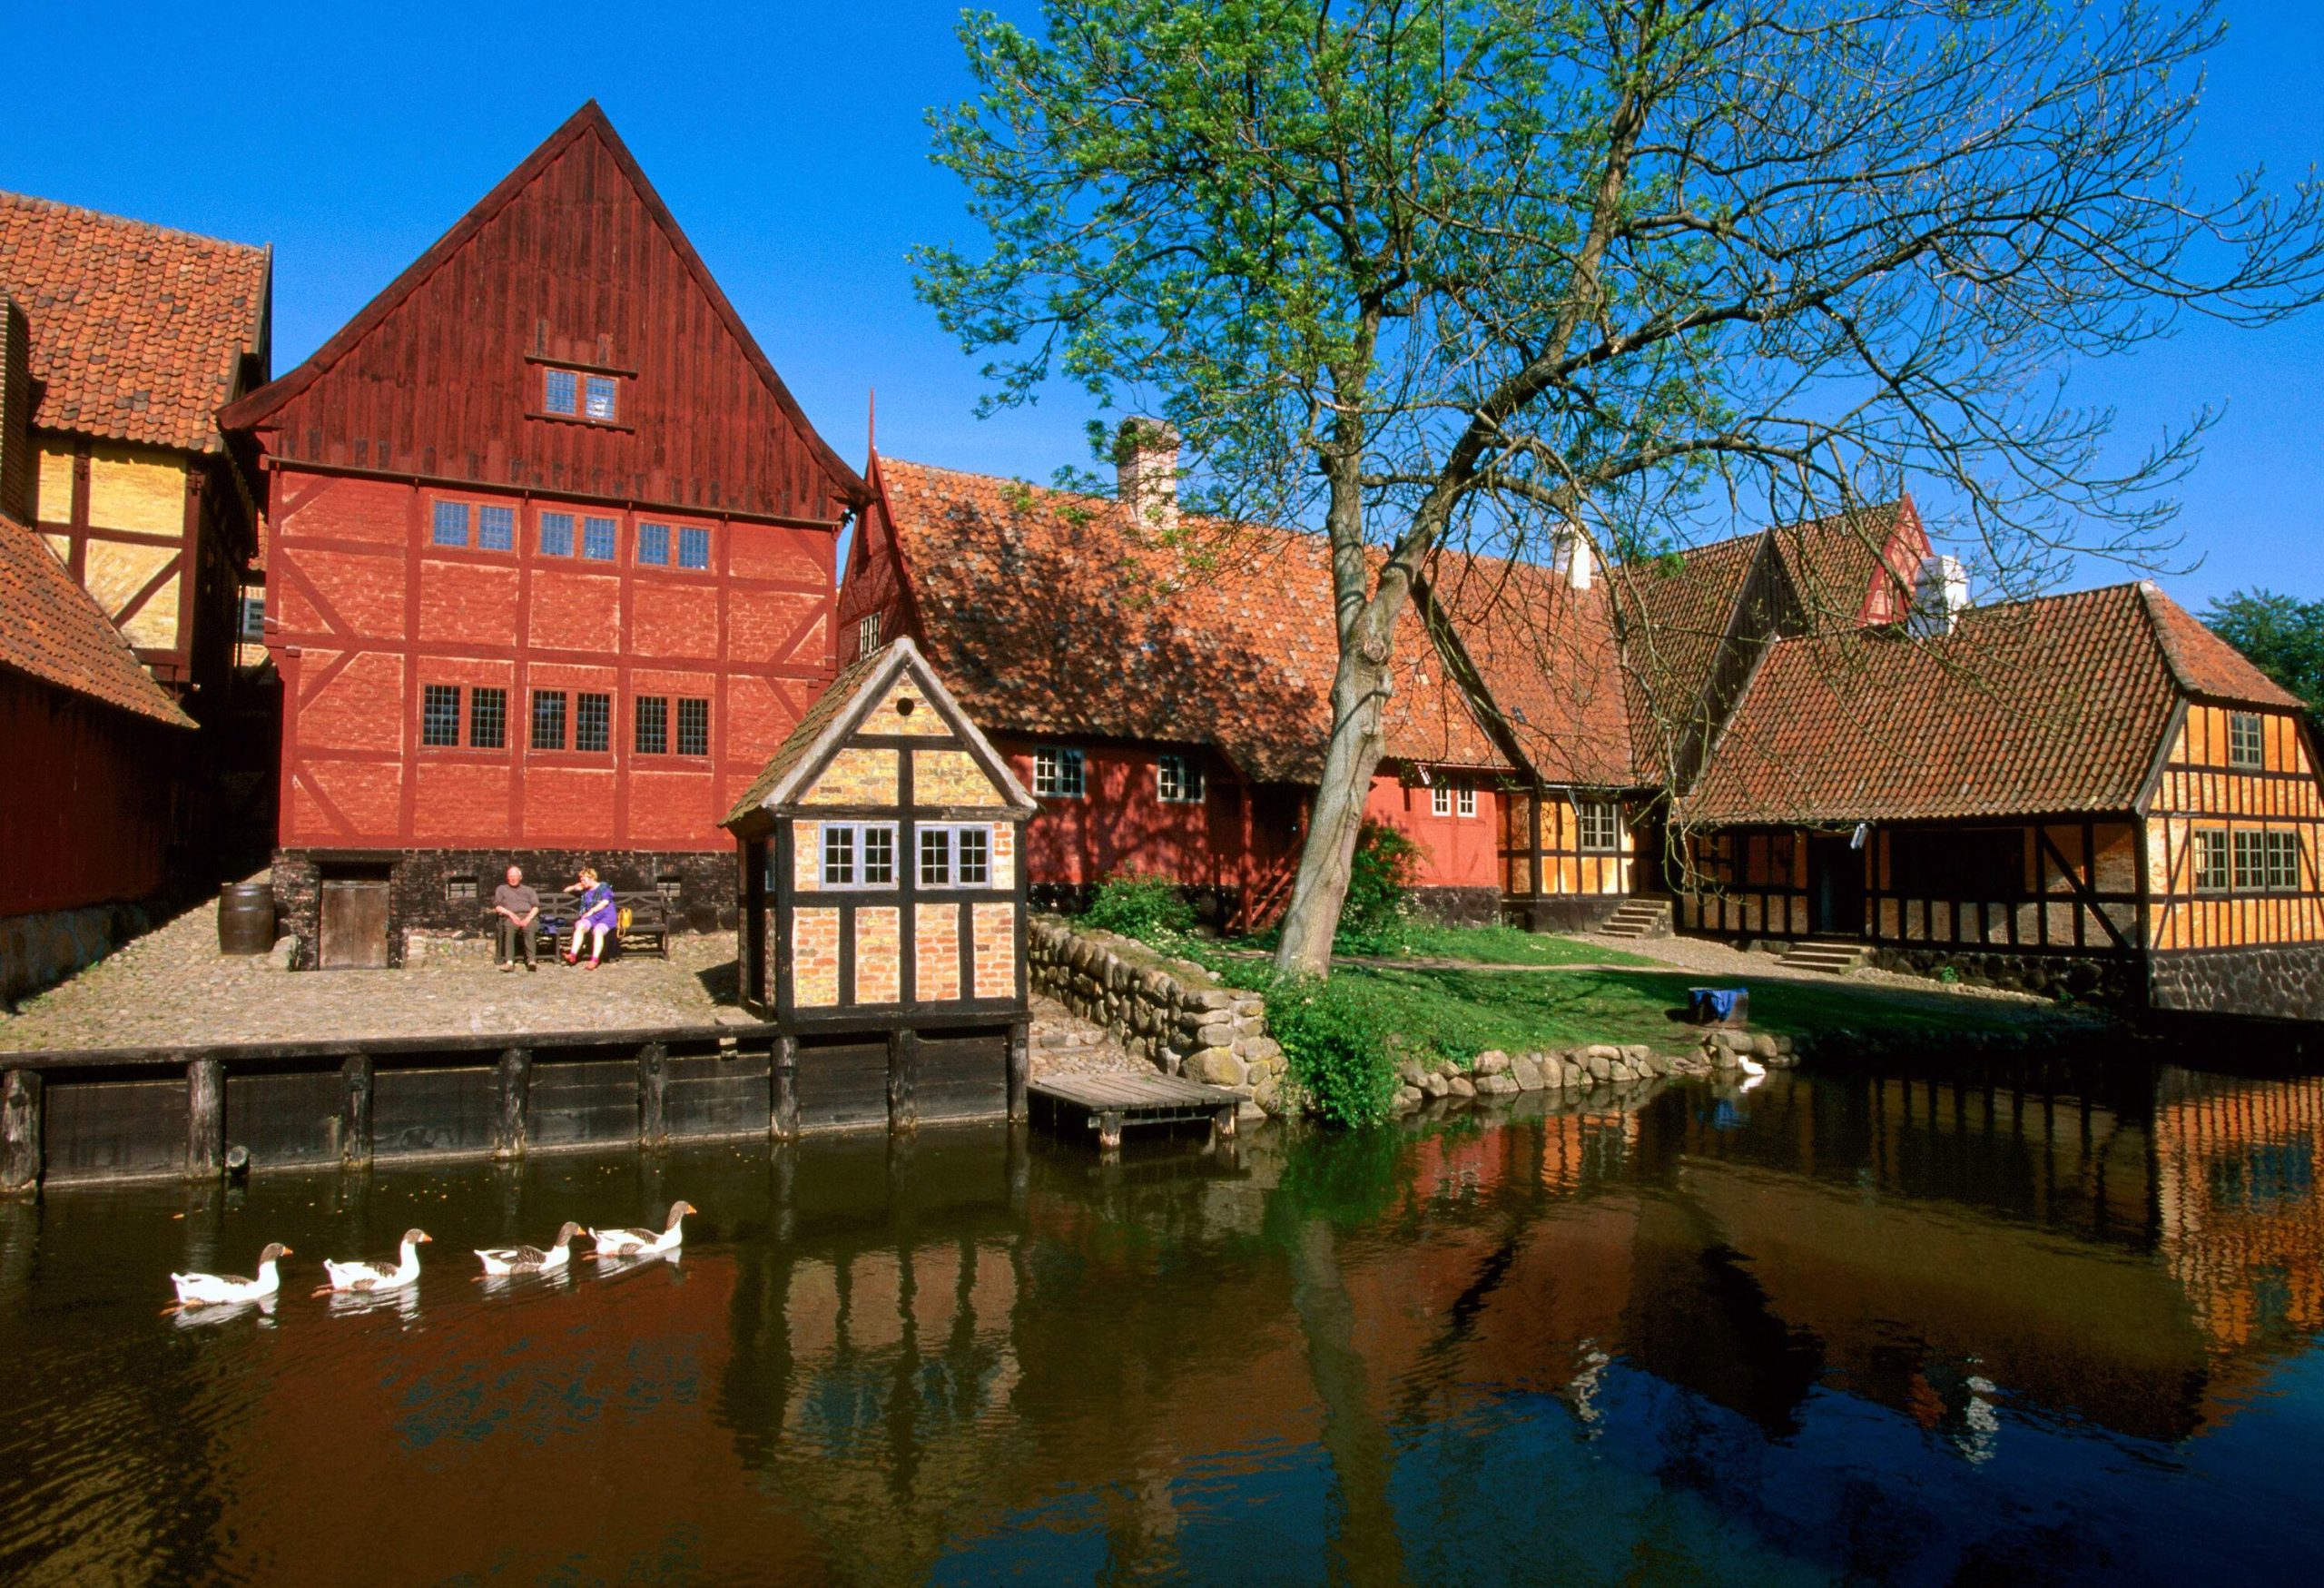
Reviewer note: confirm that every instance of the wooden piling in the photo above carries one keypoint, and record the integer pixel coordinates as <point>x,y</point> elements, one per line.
<point>355,1112</point>
<point>515,1076</point>
<point>1021,1070</point>
<point>653,1094</point>
<point>205,1119</point>
<point>1222,1124</point>
<point>1110,1130</point>
<point>20,1131</point>
<point>903,1079</point>
<point>784,1071</point>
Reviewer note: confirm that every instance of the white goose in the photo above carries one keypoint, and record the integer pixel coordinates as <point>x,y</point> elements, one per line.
<point>366,1276</point>
<point>222,1289</point>
<point>643,1243</point>
<point>530,1259</point>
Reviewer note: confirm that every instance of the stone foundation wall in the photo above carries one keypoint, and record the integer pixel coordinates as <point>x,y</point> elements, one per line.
<point>1171,1015</point>
<point>2087,978</point>
<point>1457,906</point>
<point>1563,911</point>
<point>2281,983</point>
<point>419,887</point>
<point>42,949</point>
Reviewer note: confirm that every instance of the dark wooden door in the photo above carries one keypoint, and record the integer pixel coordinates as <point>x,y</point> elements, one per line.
<point>1834,887</point>
<point>355,925</point>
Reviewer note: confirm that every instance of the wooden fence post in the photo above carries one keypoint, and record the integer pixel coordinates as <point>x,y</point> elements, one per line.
<point>1021,1070</point>
<point>205,1119</point>
<point>903,1080</point>
<point>355,1113</point>
<point>653,1094</point>
<point>20,1125</point>
<point>785,1070</point>
<point>515,1084</point>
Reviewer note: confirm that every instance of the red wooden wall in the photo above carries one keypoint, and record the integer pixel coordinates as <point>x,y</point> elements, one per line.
<point>86,818</point>
<point>368,612</point>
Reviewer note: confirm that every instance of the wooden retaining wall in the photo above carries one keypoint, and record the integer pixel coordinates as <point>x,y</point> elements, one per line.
<point>70,1116</point>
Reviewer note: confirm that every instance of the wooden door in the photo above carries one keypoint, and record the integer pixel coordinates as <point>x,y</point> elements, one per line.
<point>1834,887</point>
<point>354,925</point>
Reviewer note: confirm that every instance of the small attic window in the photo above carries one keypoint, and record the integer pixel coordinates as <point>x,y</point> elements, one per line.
<point>2246,741</point>
<point>575,394</point>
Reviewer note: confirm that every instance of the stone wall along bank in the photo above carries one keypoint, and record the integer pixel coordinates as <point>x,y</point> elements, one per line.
<point>1596,1072</point>
<point>2283,982</point>
<point>1167,1012</point>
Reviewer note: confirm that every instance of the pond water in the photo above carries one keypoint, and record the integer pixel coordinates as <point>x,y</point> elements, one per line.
<point>1838,1327</point>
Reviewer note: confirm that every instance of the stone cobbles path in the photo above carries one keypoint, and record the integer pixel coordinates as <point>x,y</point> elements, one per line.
<point>172,987</point>
<point>1063,1043</point>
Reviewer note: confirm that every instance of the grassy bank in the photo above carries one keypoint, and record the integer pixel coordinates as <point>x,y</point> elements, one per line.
<point>1475,945</point>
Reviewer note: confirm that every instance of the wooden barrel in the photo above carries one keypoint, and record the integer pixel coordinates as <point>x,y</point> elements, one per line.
<point>246,918</point>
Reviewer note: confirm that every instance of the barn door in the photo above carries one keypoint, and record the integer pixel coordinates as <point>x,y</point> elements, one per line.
<point>1834,887</point>
<point>354,924</point>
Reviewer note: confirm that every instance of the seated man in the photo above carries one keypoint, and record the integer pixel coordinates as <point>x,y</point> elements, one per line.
<point>518,908</point>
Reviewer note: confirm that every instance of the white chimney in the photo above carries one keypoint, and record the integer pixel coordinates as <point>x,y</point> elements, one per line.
<point>1145,466</point>
<point>1574,558</point>
<point>1940,594</point>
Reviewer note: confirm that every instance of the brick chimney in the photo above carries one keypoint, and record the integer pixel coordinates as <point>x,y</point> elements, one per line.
<point>15,412</point>
<point>1146,466</point>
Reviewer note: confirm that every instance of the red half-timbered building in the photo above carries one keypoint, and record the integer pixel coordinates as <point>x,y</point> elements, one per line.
<point>550,564</point>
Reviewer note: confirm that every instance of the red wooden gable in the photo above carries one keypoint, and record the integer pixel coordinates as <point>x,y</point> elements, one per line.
<point>575,261</point>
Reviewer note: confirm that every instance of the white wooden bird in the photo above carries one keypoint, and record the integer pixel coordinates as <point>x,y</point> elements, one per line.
<point>530,1259</point>
<point>643,1243</point>
<point>366,1277</point>
<point>224,1289</point>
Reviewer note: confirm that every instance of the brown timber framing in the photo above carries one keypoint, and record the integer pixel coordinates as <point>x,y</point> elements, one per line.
<point>2195,787</point>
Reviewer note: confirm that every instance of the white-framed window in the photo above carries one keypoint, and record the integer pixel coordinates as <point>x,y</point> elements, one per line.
<point>2246,742</point>
<point>955,855</point>
<point>1464,800</point>
<point>253,624</point>
<point>867,633</point>
<point>1178,780</point>
<point>2211,859</point>
<point>1056,773</point>
<point>1440,800</point>
<point>1599,824</point>
<point>859,854</point>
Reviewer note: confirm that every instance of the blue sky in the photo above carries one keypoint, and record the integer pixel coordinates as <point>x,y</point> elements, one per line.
<point>789,139</point>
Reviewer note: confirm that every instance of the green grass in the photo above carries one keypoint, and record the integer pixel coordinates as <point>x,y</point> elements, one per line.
<point>1458,1014</point>
<point>1476,946</point>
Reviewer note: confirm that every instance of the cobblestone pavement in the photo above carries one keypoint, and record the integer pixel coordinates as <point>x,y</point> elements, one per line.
<point>172,986</point>
<point>1063,1043</point>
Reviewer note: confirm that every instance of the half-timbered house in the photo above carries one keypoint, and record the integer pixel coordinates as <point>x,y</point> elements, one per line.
<point>2090,791</point>
<point>1150,681</point>
<point>550,561</point>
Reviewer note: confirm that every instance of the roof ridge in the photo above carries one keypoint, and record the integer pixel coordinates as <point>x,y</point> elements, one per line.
<point>83,211</point>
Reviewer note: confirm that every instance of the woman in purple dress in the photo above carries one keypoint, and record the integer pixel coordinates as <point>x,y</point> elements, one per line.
<point>597,913</point>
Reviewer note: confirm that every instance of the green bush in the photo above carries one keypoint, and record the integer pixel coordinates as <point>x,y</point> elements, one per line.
<point>1149,909</point>
<point>1336,1054</point>
<point>1380,880</point>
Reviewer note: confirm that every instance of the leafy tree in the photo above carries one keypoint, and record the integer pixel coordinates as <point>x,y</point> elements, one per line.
<point>2283,635</point>
<point>1553,275</point>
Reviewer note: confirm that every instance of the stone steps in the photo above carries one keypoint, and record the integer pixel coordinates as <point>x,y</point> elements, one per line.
<point>1831,959</point>
<point>1639,917</point>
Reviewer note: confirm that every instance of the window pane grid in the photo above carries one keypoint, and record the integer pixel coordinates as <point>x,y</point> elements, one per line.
<point>653,720</point>
<point>1467,801</point>
<point>935,857</point>
<point>598,397</point>
<point>2245,746</point>
<point>549,719</point>
<point>440,715</point>
<point>496,528</point>
<point>839,856</point>
<point>450,526</point>
<point>2210,862</point>
<point>560,391</point>
<point>557,535</point>
<point>597,540</point>
<point>972,855</point>
<point>694,547</point>
<point>593,719</point>
<point>1599,825</point>
<point>879,857</point>
<point>654,544</point>
<point>1179,780</point>
<point>488,719</point>
<point>1440,801</point>
<point>693,728</point>
<point>859,854</point>
<point>1057,773</point>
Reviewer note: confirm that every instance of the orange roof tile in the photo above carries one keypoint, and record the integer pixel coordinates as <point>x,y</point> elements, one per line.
<point>137,331</point>
<point>1047,613</point>
<point>1672,614</point>
<point>1547,657</point>
<point>50,628</point>
<point>2054,705</point>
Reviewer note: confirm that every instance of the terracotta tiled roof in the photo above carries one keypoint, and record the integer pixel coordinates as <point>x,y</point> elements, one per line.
<point>50,628</point>
<point>1547,657</point>
<point>1672,613</point>
<point>1853,568</point>
<point>1047,613</point>
<point>2205,663</point>
<point>2051,706</point>
<point>137,331</point>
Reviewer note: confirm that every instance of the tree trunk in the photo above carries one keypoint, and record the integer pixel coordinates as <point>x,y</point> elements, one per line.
<point>1359,691</point>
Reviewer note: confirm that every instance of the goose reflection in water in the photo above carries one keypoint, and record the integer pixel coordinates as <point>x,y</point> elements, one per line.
<point>403,1302</point>
<point>260,1311</point>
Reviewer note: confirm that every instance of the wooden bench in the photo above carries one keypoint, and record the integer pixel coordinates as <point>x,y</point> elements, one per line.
<point>643,918</point>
